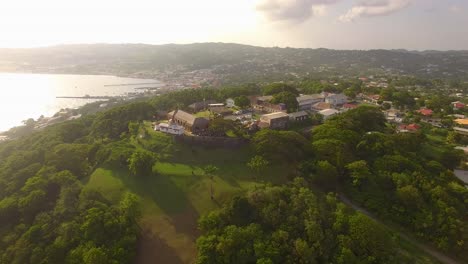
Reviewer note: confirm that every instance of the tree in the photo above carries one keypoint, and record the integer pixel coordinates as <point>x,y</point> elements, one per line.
<point>287,98</point>
<point>141,163</point>
<point>281,146</point>
<point>324,174</point>
<point>275,88</point>
<point>242,101</point>
<point>95,256</point>
<point>358,171</point>
<point>210,171</point>
<point>258,164</point>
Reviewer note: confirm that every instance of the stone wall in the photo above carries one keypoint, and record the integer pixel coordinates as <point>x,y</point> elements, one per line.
<point>212,142</point>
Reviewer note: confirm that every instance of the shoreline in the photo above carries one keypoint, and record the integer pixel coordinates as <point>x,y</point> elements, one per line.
<point>43,120</point>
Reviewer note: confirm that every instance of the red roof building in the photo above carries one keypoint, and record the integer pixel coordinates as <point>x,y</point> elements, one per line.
<point>425,112</point>
<point>409,128</point>
<point>458,105</point>
<point>350,106</point>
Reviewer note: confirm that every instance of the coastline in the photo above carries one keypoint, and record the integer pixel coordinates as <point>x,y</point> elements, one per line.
<point>93,104</point>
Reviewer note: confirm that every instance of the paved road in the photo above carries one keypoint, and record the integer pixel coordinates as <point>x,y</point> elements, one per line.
<point>429,250</point>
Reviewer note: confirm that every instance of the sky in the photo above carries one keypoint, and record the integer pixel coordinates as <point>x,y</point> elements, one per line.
<point>335,24</point>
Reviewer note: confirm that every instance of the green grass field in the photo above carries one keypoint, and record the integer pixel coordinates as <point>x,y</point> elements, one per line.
<point>179,192</point>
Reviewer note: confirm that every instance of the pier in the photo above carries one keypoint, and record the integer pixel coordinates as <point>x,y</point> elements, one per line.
<point>131,84</point>
<point>89,97</point>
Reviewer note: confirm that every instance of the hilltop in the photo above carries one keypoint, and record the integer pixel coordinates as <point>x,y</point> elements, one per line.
<point>233,62</point>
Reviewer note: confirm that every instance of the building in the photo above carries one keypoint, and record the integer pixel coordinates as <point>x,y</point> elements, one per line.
<point>262,103</point>
<point>321,106</point>
<point>188,121</point>
<point>170,128</point>
<point>461,131</point>
<point>298,116</point>
<point>306,101</point>
<point>263,99</point>
<point>198,106</point>
<point>278,120</point>
<point>458,105</point>
<point>230,103</point>
<point>347,107</point>
<point>462,122</point>
<point>327,113</point>
<point>462,175</point>
<point>336,99</point>
<point>408,128</point>
<point>425,112</point>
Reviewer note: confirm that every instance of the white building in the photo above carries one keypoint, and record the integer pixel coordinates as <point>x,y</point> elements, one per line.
<point>327,113</point>
<point>170,128</point>
<point>336,99</point>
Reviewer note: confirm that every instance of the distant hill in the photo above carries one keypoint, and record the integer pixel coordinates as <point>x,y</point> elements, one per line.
<point>231,59</point>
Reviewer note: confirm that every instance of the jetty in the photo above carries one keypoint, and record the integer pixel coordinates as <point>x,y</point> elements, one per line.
<point>131,84</point>
<point>89,97</point>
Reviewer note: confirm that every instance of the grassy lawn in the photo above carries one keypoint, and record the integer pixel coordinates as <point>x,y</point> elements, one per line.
<point>206,114</point>
<point>179,192</point>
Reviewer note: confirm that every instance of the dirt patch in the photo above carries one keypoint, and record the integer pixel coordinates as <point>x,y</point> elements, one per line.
<point>186,222</point>
<point>153,250</point>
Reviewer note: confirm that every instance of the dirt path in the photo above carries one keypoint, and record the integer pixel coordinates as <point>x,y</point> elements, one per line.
<point>429,250</point>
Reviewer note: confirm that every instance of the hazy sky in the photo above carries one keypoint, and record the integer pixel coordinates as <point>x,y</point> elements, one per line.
<point>339,24</point>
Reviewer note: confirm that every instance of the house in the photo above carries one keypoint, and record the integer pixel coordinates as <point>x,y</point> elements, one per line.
<point>188,121</point>
<point>220,109</point>
<point>298,116</point>
<point>462,122</point>
<point>170,128</point>
<point>278,120</point>
<point>336,99</point>
<point>458,105</point>
<point>393,115</point>
<point>230,103</point>
<point>461,131</point>
<point>408,128</point>
<point>262,103</point>
<point>321,106</point>
<point>462,175</point>
<point>372,98</point>
<point>425,112</point>
<point>347,107</point>
<point>327,113</point>
<point>263,99</point>
<point>306,101</point>
<point>198,106</point>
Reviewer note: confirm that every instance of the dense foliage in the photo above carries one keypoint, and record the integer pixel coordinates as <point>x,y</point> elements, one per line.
<point>47,215</point>
<point>292,225</point>
<point>400,176</point>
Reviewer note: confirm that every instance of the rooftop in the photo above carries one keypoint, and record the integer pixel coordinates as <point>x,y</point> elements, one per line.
<point>462,175</point>
<point>308,97</point>
<point>329,112</point>
<point>275,115</point>
<point>298,114</point>
<point>463,121</point>
<point>184,116</point>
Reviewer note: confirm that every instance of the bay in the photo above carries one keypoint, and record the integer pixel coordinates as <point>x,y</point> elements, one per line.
<point>24,96</point>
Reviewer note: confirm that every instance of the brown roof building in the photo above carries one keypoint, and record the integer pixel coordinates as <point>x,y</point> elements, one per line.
<point>188,121</point>
<point>278,120</point>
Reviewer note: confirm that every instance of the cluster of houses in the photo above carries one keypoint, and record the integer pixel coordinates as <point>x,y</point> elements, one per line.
<point>325,104</point>
<point>272,116</point>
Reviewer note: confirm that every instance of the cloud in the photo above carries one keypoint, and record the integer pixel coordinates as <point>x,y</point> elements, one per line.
<point>370,8</point>
<point>293,10</point>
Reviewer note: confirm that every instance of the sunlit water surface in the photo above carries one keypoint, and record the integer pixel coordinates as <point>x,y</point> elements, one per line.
<point>24,96</point>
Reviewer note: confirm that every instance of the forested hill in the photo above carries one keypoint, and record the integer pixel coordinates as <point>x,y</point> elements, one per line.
<point>230,59</point>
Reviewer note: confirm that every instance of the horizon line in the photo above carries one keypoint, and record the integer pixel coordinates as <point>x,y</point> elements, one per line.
<point>219,42</point>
